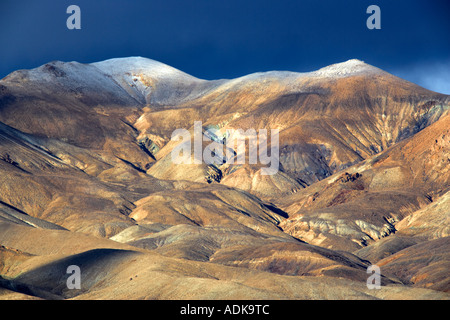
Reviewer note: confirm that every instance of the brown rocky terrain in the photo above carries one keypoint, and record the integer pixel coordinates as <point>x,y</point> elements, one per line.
<point>88,179</point>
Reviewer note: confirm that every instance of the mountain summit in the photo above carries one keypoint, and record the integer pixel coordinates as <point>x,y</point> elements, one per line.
<point>347,68</point>
<point>88,179</point>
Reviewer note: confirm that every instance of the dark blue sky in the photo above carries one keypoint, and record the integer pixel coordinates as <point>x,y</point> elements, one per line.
<point>225,39</point>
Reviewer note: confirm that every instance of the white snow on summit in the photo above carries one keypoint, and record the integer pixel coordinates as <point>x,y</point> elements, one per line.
<point>290,80</point>
<point>150,81</point>
<point>146,81</point>
<point>134,65</point>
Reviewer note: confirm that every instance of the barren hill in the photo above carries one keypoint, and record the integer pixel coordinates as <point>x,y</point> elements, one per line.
<point>88,178</point>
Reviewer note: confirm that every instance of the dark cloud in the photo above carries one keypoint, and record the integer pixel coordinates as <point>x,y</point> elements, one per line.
<point>226,39</point>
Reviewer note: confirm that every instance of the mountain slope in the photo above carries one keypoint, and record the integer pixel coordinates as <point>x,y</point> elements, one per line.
<point>88,177</point>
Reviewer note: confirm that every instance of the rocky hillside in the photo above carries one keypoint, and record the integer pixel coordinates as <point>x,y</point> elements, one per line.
<point>88,178</point>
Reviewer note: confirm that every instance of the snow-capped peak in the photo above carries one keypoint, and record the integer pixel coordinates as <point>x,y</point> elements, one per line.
<point>150,81</point>
<point>347,68</point>
<point>139,65</point>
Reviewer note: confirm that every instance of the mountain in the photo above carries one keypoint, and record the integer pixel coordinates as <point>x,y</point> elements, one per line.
<point>88,178</point>
<point>370,199</point>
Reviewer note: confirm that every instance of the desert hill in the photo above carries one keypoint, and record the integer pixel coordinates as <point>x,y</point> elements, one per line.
<point>88,178</point>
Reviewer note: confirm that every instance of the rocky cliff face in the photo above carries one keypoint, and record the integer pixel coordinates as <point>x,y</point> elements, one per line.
<point>88,177</point>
